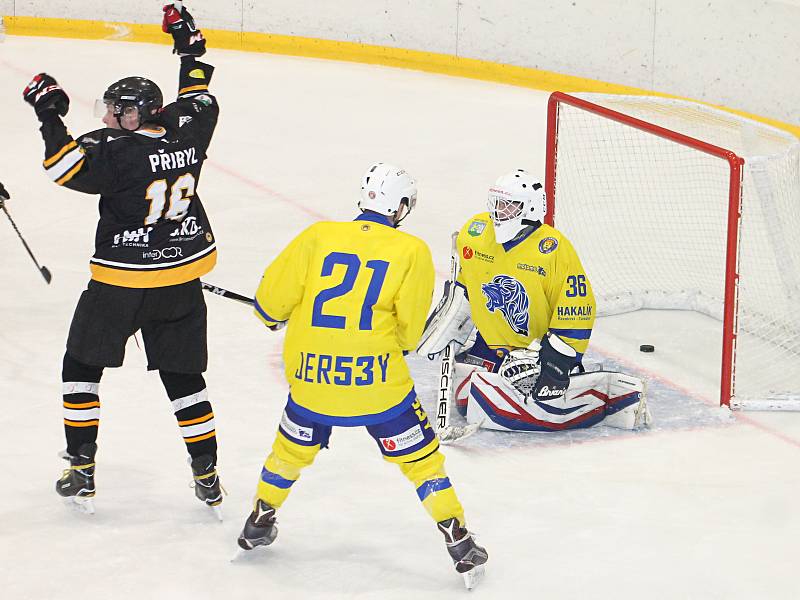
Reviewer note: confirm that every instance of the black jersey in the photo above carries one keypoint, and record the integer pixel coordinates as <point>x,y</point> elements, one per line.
<point>153,230</point>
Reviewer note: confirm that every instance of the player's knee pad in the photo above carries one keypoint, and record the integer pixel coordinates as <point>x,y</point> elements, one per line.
<point>74,370</point>
<point>287,458</point>
<point>406,437</point>
<point>430,466</point>
<point>182,385</point>
<point>450,321</point>
<point>282,468</point>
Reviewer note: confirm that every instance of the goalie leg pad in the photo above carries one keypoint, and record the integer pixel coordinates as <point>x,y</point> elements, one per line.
<point>587,402</point>
<point>461,377</point>
<point>450,321</point>
<point>627,404</point>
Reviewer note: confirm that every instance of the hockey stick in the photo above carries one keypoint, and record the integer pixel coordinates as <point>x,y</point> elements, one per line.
<point>226,293</point>
<point>450,433</point>
<point>239,298</point>
<point>43,270</point>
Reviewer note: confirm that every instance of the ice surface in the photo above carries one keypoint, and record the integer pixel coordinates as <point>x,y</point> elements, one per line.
<point>703,506</point>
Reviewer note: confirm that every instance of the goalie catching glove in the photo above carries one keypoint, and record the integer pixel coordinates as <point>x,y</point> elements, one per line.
<point>188,40</point>
<point>541,371</point>
<point>451,321</point>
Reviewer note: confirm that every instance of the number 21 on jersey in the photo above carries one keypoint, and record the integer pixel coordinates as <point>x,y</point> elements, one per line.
<point>352,263</point>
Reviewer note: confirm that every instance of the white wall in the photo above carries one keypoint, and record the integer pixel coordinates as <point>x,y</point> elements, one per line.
<point>744,54</point>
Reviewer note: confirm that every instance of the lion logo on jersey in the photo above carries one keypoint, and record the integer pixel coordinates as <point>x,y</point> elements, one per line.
<point>508,295</point>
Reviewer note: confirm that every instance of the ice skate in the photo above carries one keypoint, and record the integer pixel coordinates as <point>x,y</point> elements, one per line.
<point>467,556</point>
<point>76,484</point>
<point>259,529</point>
<point>206,483</point>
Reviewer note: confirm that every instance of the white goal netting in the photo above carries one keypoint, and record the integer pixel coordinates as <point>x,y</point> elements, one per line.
<point>649,217</point>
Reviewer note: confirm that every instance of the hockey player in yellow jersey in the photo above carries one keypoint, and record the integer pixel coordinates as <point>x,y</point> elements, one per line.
<point>521,285</point>
<point>354,296</point>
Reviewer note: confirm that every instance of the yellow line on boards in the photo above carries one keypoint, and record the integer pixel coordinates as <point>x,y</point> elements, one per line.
<point>430,62</point>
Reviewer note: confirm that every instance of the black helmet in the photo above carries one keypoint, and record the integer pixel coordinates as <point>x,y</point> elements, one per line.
<point>135,91</point>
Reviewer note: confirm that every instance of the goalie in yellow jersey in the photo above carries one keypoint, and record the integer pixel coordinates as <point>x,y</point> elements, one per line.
<point>354,296</point>
<point>521,285</point>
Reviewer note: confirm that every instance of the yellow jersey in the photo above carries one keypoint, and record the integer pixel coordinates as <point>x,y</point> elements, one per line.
<point>355,295</point>
<point>523,288</point>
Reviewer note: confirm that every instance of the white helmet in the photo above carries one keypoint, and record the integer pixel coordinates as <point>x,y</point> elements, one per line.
<point>385,189</point>
<point>515,200</point>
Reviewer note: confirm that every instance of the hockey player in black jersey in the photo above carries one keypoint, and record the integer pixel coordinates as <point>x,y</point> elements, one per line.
<point>153,242</point>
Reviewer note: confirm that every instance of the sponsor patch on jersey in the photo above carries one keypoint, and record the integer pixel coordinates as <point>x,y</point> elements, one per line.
<point>401,441</point>
<point>547,245</point>
<point>188,229</point>
<point>507,295</point>
<point>163,253</point>
<point>570,313</point>
<point>134,238</point>
<point>197,74</point>
<point>203,99</point>
<point>467,252</point>
<point>539,270</point>
<point>298,432</point>
<point>184,120</point>
<point>476,228</point>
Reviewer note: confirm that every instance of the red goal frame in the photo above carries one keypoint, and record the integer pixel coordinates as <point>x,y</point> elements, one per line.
<point>736,165</point>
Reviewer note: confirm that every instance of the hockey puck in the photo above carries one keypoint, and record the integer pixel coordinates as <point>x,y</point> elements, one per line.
<point>647,348</point>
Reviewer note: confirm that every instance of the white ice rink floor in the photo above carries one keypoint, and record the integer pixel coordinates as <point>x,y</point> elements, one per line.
<point>703,506</point>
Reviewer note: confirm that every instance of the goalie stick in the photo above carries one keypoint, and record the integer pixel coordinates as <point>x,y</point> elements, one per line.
<point>450,433</point>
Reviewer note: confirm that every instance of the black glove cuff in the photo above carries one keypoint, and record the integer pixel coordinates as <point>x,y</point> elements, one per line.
<point>553,362</point>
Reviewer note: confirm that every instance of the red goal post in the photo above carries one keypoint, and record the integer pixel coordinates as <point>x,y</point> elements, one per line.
<point>629,178</point>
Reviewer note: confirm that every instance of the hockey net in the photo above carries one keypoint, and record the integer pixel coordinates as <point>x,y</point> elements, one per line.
<point>676,205</point>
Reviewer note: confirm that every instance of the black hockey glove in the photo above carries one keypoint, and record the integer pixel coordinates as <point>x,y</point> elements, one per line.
<point>188,40</point>
<point>46,97</point>
<point>555,368</point>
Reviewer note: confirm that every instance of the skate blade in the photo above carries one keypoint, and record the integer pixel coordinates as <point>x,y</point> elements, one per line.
<point>82,504</point>
<point>217,510</point>
<point>473,577</point>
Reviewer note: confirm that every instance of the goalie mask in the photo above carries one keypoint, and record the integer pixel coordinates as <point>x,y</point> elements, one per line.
<point>515,201</point>
<point>388,190</point>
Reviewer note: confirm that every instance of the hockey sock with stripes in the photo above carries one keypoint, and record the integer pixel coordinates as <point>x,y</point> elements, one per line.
<point>433,487</point>
<point>189,398</point>
<point>80,389</point>
<point>282,469</point>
